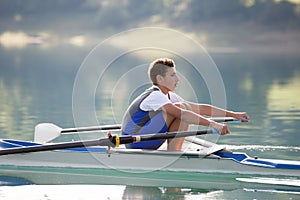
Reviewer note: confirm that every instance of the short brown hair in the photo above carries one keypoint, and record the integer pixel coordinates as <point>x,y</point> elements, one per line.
<point>159,67</point>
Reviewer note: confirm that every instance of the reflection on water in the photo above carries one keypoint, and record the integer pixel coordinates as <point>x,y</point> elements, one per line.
<point>264,86</point>
<point>284,96</point>
<point>117,192</point>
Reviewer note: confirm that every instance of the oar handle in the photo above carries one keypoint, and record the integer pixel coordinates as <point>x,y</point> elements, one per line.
<point>224,119</point>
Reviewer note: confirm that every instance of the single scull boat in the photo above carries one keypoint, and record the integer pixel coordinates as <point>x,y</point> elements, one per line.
<point>209,167</point>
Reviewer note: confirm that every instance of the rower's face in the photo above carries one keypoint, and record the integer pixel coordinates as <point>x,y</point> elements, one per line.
<point>170,80</point>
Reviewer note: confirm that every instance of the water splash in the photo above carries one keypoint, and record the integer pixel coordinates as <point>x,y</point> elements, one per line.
<point>262,148</point>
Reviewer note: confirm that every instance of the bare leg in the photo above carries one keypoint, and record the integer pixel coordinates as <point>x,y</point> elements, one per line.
<point>176,124</point>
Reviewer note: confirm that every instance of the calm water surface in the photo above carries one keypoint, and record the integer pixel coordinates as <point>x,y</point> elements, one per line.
<point>36,85</point>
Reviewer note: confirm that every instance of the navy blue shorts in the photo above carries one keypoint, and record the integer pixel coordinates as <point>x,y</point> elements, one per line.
<point>157,124</point>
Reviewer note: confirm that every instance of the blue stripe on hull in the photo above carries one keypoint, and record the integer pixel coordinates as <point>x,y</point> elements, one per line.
<point>245,159</point>
<point>5,144</point>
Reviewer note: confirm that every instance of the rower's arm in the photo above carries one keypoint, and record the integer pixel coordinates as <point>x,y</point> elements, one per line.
<point>193,118</point>
<point>209,110</point>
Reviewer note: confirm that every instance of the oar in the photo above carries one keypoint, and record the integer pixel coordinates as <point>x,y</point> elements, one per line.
<point>110,141</point>
<point>46,132</point>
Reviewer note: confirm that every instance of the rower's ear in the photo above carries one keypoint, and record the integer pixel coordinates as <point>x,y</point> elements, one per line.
<point>159,78</point>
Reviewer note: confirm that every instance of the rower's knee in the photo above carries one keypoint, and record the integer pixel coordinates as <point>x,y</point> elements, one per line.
<point>176,124</point>
<point>183,105</point>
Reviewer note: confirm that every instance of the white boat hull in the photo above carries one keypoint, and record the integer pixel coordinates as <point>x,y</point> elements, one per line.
<point>138,167</point>
<point>140,162</point>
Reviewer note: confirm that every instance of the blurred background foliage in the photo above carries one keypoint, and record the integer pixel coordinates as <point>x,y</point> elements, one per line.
<point>230,22</point>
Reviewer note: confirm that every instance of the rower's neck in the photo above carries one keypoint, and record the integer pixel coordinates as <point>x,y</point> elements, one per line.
<point>163,89</point>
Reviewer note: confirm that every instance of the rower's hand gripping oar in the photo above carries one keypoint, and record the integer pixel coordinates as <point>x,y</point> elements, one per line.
<point>111,141</point>
<point>46,132</point>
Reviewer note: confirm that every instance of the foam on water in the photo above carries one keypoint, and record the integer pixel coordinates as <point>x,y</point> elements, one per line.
<point>262,147</point>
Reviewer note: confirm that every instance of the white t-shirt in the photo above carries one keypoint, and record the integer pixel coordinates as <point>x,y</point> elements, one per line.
<point>157,99</point>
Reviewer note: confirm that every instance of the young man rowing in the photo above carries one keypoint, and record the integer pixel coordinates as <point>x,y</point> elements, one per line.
<point>160,110</point>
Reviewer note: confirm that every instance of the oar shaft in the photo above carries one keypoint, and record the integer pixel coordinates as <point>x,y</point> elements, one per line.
<point>64,145</point>
<point>171,135</point>
<point>110,141</point>
<point>118,126</point>
<point>127,139</point>
<point>91,128</point>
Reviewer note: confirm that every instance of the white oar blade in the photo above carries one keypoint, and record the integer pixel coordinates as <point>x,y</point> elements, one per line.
<point>46,132</point>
